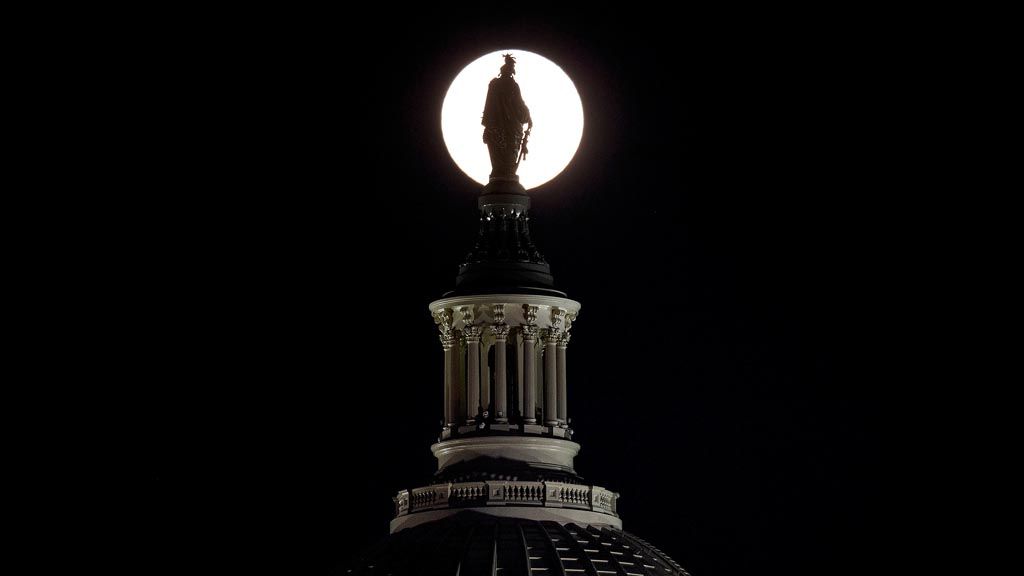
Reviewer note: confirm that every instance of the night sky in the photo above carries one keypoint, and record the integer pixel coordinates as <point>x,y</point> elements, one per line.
<point>296,212</point>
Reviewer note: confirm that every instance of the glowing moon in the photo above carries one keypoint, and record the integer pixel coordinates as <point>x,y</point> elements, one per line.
<point>554,105</point>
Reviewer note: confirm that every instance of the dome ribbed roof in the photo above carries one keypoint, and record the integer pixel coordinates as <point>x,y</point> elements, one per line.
<point>471,544</point>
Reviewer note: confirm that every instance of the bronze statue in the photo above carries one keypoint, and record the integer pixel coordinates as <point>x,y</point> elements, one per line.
<point>503,119</point>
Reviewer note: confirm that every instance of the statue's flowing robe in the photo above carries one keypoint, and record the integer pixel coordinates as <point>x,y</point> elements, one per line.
<point>503,119</point>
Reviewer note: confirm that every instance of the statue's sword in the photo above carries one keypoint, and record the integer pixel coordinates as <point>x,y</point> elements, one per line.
<point>522,148</point>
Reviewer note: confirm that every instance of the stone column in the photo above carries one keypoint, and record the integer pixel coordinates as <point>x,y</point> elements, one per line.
<point>443,319</point>
<point>472,335</point>
<point>500,391</point>
<point>529,387</point>
<point>459,378</point>
<point>449,396</point>
<point>551,378</point>
<point>519,371</point>
<point>500,331</point>
<point>485,379</point>
<point>563,409</point>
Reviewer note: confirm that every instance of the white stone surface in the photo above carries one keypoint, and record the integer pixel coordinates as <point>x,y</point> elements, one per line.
<point>552,312</point>
<point>560,515</point>
<point>531,449</point>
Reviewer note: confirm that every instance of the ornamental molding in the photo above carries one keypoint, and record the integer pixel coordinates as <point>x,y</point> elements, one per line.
<point>512,310</point>
<point>466,315</point>
<point>498,444</point>
<point>498,313</point>
<point>443,319</point>
<point>557,319</point>
<point>507,493</point>
<point>571,307</point>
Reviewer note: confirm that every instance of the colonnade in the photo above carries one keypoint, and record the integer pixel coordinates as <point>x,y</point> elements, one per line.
<point>501,375</point>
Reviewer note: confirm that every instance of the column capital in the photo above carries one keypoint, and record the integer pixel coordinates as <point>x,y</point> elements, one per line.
<point>472,333</point>
<point>447,340</point>
<point>563,339</point>
<point>529,332</point>
<point>500,331</point>
<point>443,319</point>
<point>550,336</point>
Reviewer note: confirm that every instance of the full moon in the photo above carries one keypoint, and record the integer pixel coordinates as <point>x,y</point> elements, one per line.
<point>554,106</point>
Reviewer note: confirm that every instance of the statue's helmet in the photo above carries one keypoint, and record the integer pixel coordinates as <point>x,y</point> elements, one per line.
<point>509,68</point>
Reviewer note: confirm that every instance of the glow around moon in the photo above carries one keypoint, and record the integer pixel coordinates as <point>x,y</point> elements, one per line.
<point>554,105</point>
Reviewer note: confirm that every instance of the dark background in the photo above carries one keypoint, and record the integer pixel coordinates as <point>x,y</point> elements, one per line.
<point>297,211</point>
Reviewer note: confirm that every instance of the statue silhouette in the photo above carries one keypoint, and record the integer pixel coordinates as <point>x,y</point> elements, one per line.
<point>503,119</point>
